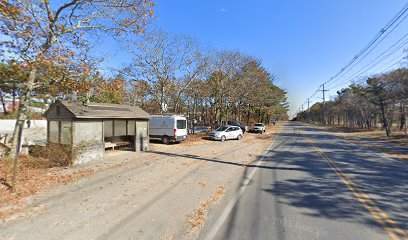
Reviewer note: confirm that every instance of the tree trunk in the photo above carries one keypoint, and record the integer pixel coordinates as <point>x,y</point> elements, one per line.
<point>13,93</point>
<point>18,129</point>
<point>384,119</point>
<point>3,103</point>
<point>248,114</point>
<point>162,99</point>
<point>402,116</point>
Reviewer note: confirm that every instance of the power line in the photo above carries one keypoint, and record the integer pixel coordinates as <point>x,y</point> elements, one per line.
<point>374,46</point>
<point>365,69</point>
<point>373,41</point>
<point>370,46</point>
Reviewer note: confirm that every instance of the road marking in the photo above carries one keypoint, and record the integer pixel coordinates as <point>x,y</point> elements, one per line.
<point>213,231</point>
<point>380,216</point>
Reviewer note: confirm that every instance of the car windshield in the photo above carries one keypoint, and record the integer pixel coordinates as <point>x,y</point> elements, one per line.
<point>221,129</point>
<point>259,124</point>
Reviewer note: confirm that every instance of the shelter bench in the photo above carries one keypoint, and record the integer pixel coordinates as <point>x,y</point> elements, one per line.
<point>118,141</point>
<point>123,144</point>
<point>110,145</point>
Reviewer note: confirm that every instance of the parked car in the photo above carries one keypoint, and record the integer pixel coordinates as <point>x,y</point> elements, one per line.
<point>199,129</point>
<point>168,128</point>
<point>243,127</point>
<point>226,132</point>
<point>259,128</point>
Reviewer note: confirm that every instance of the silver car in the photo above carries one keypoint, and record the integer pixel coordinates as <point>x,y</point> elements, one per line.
<point>226,132</point>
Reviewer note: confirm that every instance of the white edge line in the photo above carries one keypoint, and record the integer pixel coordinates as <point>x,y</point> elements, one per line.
<point>237,195</point>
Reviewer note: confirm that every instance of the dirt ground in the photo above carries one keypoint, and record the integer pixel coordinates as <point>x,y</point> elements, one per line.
<point>164,193</point>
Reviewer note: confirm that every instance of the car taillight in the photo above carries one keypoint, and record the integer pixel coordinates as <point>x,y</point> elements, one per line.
<point>175,133</point>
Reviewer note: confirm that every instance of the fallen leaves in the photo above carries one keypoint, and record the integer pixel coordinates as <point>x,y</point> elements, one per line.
<point>198,217</point>
<point>31,181</point>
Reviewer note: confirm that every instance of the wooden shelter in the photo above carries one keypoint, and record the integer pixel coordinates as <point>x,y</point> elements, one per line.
<point>93,127</point>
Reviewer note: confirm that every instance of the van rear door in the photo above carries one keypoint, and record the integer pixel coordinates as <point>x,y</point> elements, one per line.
<point>181,126</point>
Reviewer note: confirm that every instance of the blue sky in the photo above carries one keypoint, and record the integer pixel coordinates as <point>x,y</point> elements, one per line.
<point>302,42</point>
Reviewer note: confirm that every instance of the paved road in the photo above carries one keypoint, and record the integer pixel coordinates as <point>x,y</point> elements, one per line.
<point>313,185</point>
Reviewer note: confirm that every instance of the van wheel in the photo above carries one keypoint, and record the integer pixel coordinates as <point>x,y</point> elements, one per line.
<point>166,140</point>
<point>239,137</point>
<point>223,138</point>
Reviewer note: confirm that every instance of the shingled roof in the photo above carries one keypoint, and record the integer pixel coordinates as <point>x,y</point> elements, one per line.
<point>102,110</point>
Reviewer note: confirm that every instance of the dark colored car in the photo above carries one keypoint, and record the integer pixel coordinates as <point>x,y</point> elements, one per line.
<point>199,129</point>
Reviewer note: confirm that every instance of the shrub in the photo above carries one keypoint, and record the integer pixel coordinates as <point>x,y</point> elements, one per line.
<point>31,162</point>
<point>57,155</point>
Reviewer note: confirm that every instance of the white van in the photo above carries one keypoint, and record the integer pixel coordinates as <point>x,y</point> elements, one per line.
<point>168,128</point>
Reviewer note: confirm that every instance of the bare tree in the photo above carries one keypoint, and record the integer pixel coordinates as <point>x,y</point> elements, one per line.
<point>165,65</point>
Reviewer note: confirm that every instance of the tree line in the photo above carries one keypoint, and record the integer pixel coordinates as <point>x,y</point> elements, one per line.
<point>379,102</point>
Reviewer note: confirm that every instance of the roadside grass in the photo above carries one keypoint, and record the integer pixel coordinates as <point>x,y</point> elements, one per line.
<point>194,139</point>
<point>397,136</point>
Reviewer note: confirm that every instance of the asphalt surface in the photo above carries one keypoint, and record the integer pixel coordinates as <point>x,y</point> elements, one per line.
<point>310,184</point>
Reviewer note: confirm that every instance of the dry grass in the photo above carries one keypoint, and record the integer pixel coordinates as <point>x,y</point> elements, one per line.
<point>194,139</point>
<point>33,176</point>
<point>378,139</point>
<point>198,217</point>
<point>397,136</point>
<point>56,154</point>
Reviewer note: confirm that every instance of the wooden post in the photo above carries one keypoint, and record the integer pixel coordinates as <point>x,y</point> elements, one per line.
<point>135,139</point>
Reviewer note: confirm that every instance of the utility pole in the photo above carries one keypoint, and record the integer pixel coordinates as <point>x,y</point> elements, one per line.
<point>308,109</point>
<point>324,104</point>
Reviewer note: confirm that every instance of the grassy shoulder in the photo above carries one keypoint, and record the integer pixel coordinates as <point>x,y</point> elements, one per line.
<point>397,137</point>
<point>374,139</point>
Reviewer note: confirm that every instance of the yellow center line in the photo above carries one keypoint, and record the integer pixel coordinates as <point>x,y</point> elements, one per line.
<point>380,216</point>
